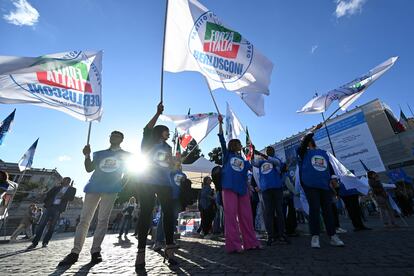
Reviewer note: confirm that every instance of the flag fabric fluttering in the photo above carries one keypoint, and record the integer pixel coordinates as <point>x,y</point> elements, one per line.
<point>233,125</point>
<point>249,146</point>
<point>197,40</point>
<point>185,139</point>
<point>347,93</point>
<point>70,82</point>
<point>5,125</point>
<point>196,125</point>
<point>346,177</point>
<point>300,203</point>
<point>27,160</point>
<point>254,101</point>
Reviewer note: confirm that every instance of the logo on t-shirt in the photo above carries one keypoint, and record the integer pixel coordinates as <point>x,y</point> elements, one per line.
<point>319,163</point>
<point>266,167</point>
<point>237,164</point>
<point>109,164</point>
<point>161,157</point>
<point>178,178</point>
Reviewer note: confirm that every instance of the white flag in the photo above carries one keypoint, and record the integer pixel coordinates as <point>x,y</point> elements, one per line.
<point>233,125</point>
<point>347,93</point>
<point>69,82</point>
<point>301,202</point>
<point>27,160</point>
<point>254,101</point>
<point>197,125</point>
<point>347,178</point>
<point>197,40</point>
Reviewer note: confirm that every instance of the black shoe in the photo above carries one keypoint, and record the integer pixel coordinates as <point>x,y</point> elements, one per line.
<point>366,228</point>
<point>282,240</point>
<point>269,242</point>
<point>69,259</point>
<point>32,246</point>
<point>44,245</point>
<point>96,258</point>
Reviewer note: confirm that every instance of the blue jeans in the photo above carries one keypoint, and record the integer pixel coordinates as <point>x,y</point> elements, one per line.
<point>51,214</point>
<point>160,227</point>
<point>125,225</point>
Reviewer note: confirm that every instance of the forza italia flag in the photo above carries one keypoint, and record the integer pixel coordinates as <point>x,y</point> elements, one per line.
<point>197,40</point>
<point>349,92</point>
<point>69,82</point>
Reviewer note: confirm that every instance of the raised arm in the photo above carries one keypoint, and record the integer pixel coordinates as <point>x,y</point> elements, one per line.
<point>154,119</point>
<point>221,137</point>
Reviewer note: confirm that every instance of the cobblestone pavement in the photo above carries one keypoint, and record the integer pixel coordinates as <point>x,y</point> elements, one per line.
<point>380,252</point>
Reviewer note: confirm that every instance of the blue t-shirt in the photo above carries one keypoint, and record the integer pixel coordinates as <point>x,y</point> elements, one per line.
<point>234,171</point>
<point>269,173</point>
<point>159,170</point>
<point>176,179</point>
<point>110,166</point>
<point>315,169</point>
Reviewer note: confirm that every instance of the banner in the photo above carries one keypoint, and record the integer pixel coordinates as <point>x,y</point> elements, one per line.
<point>352,141</point>
<point>69,82</point>
<point>5,125</point>
<point>347,93</point>
<point>197,40</point>
<point>197,125</point>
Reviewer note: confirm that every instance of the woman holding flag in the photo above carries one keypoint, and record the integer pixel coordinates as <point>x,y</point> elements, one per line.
<point>236,199</point>
<point>315,173</point>
<point>157,181</point>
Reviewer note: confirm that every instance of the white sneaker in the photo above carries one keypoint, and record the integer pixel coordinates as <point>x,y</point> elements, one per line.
<point>340,230</point>
<point>315,242</point>
<point>336,241</point>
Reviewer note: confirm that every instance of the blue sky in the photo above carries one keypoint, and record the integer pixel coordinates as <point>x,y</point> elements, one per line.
<point>314,45</point>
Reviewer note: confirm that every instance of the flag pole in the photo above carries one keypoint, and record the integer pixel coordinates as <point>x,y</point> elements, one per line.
<point>412,114</point>
<point>89,133</point>
<point>214,101</point>
<point>163,50</point>
<point>327,132</point>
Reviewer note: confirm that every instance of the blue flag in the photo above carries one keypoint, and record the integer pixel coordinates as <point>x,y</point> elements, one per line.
<point>27,160</point>
<point>5,126</point>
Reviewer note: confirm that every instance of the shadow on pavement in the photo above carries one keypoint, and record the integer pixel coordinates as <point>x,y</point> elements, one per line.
<point>123,243</point>
<point>5,255</point>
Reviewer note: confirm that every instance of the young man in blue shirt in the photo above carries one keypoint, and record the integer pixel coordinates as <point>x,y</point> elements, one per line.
<point>107,180</point>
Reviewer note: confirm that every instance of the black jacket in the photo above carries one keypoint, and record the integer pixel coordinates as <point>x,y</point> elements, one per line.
<point>68,196</point>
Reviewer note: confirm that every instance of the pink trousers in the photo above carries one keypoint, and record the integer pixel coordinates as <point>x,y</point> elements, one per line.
<point>238,222</point>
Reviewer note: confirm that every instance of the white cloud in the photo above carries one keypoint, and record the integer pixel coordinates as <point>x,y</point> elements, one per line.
<point>23,15</point>
<point>64,158</point>
<point>348,7</point>
<point>314,47</point>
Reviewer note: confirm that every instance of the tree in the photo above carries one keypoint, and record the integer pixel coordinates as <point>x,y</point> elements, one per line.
<point>194,155</point>
<point>216,156</point>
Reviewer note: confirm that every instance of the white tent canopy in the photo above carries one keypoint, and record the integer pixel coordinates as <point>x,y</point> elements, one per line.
<point>201,165</point>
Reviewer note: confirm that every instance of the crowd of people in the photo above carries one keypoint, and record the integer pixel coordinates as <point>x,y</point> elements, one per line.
<point>240,186</point>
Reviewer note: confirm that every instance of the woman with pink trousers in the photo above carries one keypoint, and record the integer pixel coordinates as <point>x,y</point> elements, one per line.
<point>238,220</point>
